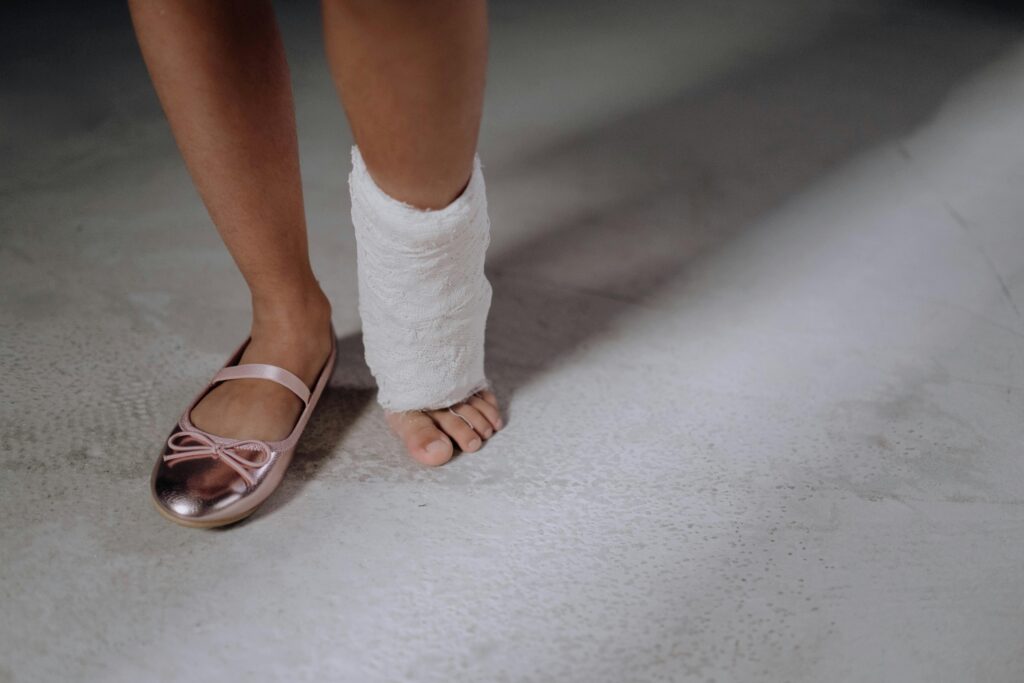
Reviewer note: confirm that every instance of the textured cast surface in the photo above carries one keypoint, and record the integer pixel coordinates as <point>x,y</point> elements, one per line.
<point>758,274</point>
<point>423,295</point>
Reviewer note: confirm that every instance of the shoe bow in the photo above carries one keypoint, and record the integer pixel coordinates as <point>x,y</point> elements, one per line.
<point>189,445</point>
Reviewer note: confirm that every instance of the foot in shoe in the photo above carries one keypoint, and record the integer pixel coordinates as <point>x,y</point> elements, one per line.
<point>257,409</point>
<point>428,435</point>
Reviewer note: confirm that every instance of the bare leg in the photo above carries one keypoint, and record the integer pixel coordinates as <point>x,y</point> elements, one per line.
<point>411,76</point>
<point>220,72</point>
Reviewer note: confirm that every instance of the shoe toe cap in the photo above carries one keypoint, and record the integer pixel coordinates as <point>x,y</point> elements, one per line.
<point>201,492</point>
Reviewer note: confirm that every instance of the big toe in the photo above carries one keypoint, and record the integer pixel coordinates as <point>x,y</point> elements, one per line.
<point>422,438</point>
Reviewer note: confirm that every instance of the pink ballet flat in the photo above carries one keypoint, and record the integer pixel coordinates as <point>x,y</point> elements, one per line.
<point>204,480</point>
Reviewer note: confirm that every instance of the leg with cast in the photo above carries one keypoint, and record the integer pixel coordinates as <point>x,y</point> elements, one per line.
<point>423,295</point>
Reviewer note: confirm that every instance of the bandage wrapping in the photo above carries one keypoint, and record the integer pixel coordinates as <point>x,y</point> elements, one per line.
<point>423,296</point>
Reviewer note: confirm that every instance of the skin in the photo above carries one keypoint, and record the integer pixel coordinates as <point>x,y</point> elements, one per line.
<point>410,74</point>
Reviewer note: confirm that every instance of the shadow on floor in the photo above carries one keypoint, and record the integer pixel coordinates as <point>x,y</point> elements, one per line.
<point>655,190</point>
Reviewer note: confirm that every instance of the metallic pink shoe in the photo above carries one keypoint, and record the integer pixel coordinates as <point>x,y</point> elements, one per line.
<point>203,480</point>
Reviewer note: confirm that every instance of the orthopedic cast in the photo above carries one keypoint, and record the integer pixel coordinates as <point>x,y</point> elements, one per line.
<point>423,296</point>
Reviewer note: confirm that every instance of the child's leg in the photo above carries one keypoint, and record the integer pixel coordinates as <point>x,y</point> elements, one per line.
<point>411,77</point>
<point>220,72</point>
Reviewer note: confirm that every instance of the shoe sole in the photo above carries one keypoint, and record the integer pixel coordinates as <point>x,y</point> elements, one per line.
<point>196,524</point>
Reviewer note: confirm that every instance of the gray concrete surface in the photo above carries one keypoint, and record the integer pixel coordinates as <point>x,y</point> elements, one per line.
<point>759,280</point>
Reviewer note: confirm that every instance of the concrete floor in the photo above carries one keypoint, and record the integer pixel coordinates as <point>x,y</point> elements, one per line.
<point>759,280</point>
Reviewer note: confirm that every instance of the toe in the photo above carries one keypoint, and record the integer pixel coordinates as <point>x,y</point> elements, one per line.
<point>456,427</point>
<point>422,438</point>
<point>488,395</point>
<point>488,410</point>
<point>481,425</point>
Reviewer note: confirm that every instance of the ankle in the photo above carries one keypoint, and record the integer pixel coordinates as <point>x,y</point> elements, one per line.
<point>291,315</point>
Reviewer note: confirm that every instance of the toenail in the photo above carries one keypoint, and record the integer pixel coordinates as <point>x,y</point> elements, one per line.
<point>499,424</point>
<point>437,447</point>
<point>474,444</point>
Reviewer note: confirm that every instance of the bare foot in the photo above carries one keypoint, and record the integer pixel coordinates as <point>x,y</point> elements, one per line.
<point>428,435</point>
<point>296,340</point>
